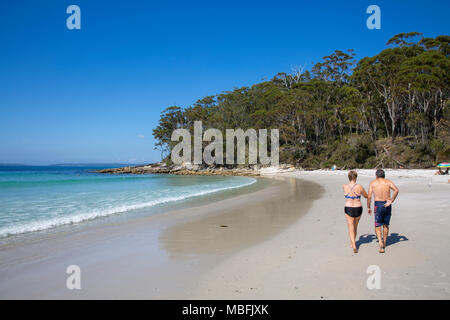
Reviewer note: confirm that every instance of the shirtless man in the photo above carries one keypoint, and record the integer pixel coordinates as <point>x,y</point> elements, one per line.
<point>381,189</point>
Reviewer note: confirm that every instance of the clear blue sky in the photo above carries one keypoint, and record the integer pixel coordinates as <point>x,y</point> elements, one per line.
<point>95,94</point>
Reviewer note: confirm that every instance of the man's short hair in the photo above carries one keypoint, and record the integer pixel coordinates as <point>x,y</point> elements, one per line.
<point>380,173</point>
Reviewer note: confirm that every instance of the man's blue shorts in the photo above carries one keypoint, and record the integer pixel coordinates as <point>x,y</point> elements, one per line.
<point>382,214</point>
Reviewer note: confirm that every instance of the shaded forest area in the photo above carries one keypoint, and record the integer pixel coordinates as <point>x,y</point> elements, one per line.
<point>390,110</point>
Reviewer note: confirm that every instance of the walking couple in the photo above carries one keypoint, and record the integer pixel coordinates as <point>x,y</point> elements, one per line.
<point>380,189</point>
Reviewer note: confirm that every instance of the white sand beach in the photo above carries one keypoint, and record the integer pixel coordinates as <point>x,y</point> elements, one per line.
<point>312,259</point>
<point>286,241</point>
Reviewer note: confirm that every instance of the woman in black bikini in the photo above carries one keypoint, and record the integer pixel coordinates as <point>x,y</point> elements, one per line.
<point>353,206</point>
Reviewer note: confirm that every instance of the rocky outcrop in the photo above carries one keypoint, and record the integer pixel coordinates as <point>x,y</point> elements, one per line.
<point>189,169</point>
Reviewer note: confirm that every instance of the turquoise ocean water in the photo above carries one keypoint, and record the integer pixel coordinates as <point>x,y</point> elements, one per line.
<point>34,198</point>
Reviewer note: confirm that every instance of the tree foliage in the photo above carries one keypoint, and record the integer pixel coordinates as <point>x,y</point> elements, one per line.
<point>341,111</point>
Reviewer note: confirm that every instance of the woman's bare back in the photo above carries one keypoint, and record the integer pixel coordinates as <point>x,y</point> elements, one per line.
<point>354,190</point>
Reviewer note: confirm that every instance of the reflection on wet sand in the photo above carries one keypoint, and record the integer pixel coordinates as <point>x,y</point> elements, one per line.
<point>243,223</point>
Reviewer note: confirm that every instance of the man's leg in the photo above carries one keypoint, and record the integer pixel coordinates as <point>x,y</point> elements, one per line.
<point>385,234</point>
<point>380,239</point>
<point>379,212</point>
<point>386,220</point>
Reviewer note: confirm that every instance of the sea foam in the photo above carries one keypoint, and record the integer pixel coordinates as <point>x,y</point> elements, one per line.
<point>60,220</point>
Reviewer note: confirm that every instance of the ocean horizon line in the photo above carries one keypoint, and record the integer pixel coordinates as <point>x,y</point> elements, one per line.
<point>71,164</point>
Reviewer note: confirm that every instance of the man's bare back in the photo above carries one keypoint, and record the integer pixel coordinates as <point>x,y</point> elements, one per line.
<point>381,190</point>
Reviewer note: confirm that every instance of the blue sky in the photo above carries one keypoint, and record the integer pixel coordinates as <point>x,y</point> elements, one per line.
<point>95,94</point>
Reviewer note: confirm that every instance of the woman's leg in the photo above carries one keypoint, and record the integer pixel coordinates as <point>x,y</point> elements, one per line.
<point>351,230</point>
<point>355,225</point>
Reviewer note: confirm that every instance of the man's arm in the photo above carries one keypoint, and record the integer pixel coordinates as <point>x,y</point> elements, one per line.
<point>369,199</point>
<point>394,188</point>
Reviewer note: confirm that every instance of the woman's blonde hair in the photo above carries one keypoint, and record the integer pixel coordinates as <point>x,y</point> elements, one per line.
<point>352,175</point>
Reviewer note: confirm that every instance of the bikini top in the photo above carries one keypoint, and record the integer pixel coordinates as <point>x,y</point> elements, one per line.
<point>352,197</point>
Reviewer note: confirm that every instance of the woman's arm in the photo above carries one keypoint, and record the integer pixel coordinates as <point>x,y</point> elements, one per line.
<point>363,192</point>
<point>369,198</point>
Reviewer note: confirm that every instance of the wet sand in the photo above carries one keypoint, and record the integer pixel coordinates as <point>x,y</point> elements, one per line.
<point>164,256</point>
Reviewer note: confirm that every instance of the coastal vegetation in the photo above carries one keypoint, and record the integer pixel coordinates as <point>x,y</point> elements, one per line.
<point>389,110</point>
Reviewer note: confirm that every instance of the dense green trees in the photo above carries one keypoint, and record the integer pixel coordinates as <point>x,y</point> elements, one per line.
<point>386,110</point>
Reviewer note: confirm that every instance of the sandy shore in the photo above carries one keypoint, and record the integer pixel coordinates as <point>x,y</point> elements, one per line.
<point>163,256</point>
<point>286,241</point>
<point>312,259</point>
